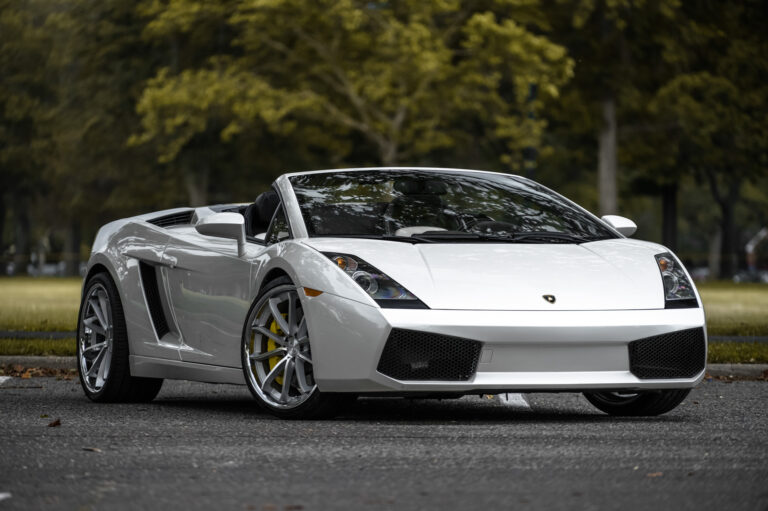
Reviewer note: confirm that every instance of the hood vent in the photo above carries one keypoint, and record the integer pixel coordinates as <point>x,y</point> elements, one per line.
<point>183,218</point>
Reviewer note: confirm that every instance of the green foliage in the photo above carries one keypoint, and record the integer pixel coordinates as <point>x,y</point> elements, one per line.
<point>113,107</point>
<point>405,77</point>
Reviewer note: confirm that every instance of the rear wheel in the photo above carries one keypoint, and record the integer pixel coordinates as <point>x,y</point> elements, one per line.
<point>102,347</point>
<point>277,357</point>
<point>637,404</point>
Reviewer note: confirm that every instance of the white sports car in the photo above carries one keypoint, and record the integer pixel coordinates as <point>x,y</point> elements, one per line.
<point>415,282</point>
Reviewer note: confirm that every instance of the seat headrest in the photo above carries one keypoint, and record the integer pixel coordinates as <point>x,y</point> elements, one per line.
<point>259,214</point>
<point>413,187</point>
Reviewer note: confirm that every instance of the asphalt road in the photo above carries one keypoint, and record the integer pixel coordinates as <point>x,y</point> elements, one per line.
<point>208,447</point>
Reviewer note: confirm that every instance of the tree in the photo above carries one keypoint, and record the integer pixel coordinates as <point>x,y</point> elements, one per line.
<point>612,42</point>
<point>717,104</point>
<point>24,94</point>
<point>378,82</point>
<point>403,75</point>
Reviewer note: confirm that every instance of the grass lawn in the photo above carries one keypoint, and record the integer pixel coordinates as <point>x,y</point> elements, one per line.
<point>30,347</point>
<point>51,304</point>
<point>39,304</point>
<point>735,309</point>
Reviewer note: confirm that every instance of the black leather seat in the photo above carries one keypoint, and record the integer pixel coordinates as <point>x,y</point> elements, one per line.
<point>420,204</point>
<point>259,214</point>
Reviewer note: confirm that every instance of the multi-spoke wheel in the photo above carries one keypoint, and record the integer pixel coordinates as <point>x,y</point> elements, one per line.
<point>95,342</point>
<point>653,402</point>
<point>102,347</point>
<point>277,356</point>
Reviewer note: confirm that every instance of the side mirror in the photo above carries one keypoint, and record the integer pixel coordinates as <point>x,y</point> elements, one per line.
<point>624,225</point>
<point>224,225</point>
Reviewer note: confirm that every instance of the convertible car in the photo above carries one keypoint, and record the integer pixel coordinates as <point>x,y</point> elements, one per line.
<point>409,282</point>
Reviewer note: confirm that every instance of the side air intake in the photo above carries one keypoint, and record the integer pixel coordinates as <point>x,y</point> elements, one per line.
<point>681,354</point>
<point>183,218</point>
<point>152,294</point>
<point>413,355</point>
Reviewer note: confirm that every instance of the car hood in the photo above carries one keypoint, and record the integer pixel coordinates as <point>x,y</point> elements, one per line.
<point>604,275</point>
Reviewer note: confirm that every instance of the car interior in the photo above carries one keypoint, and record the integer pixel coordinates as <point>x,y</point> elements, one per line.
<point>259,214</point>
<point>419,203</point>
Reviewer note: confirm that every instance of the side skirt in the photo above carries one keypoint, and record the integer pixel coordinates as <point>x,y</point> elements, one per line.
<point>148,367</point>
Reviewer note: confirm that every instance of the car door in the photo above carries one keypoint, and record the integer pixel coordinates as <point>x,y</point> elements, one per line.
<point>209,288</point>
<point>144,305</point>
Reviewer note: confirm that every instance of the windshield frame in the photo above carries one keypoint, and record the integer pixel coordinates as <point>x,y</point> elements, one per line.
<point>296,218</point>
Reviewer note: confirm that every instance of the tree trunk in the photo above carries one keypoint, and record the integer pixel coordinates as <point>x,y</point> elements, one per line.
<point>21,236</point>
<point>728,249</point>
<point>2,225</point>
<point>195,172</point>
<point>72,250</point>
<point>715,242</point>
<point>388,154</point>
<point>669,215</point>
<point>607,160</point>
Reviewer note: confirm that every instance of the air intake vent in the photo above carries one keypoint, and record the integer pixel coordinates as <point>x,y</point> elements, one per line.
<point>183,218</point>
<point>680,354</point>
<point>412,355</point>
<point>152,294</point>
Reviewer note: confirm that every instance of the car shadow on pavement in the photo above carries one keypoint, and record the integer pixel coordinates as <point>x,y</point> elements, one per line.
<point>426,411</point>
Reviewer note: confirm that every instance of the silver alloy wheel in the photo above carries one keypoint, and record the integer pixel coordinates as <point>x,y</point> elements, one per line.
<point>277,349</point>
<point>95,338</point>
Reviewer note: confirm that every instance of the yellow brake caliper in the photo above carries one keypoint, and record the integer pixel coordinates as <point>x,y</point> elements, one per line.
<point>271,345</point>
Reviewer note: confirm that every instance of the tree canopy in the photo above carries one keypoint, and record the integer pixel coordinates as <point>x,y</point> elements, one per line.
<point>114,107</point>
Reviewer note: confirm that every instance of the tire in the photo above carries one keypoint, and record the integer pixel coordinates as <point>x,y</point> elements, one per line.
<point>265,375</point>
<point>635,405</point>
<point>107,379</point>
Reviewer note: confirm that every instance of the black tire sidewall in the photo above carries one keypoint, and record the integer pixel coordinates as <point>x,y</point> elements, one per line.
<point>649,403</point>
<point>316,404</point>
<point>119,355</point>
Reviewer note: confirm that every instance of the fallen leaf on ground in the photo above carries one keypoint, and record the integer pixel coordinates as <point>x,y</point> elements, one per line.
<point>55,423</point>
<point>655,474</point>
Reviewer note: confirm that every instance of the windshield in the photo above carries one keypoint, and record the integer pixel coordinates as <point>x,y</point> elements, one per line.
<point>434,206</point>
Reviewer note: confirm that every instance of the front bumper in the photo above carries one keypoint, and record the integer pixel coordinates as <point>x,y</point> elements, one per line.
<point>521,350</point>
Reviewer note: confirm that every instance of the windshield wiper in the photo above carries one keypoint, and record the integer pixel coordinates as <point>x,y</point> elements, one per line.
<point>386,237</point>
<point>516,237</point>
<point>551,235</point>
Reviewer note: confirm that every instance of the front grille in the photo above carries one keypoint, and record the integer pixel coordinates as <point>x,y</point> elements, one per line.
<point>183,218</point>
<point>412,355</point>
<point>680,354</point>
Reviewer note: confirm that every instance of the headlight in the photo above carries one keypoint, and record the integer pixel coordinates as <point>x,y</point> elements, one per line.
<point>678,290</point>
<point>381,287</point>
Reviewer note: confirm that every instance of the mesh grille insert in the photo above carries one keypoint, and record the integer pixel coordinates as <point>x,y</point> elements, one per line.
<point>183,218</point>
<point>412,355</point>
<point>680,354</point>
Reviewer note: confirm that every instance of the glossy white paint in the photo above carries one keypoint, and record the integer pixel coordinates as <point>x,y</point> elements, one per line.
<point>624,225</point>
<point>603,275</point>
<point>608,293</point>
<point>523,350</point>
<point>224,225</point>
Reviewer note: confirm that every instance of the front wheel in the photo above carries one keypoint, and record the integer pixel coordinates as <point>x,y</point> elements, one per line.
<point>102,347</point>
<point>637,404</point>
<point>277,357</point>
